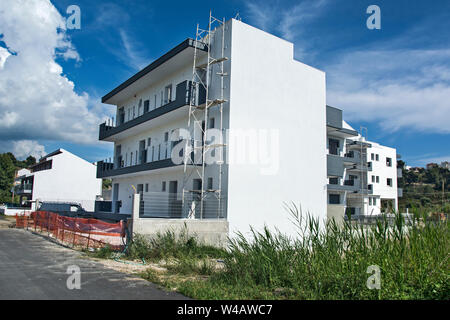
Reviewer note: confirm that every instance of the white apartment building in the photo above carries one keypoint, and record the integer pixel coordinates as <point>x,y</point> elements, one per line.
<point>362,175</point>
<point>269,109</point>
<point>60,176</point>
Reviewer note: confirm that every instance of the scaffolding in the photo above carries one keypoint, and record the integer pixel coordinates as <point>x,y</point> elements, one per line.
<point>364,169</point>
<point>199,117</point>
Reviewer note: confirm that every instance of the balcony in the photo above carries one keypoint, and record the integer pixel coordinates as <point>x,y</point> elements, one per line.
<point>358,167</point>
<point>185,91</point>
<point>26,188</point>
<point>154,158</point>
<point>357,145</point>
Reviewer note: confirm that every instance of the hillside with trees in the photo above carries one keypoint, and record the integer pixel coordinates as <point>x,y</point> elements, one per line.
<point>425,188</point>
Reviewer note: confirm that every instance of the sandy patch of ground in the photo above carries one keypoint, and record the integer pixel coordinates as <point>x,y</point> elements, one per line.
<point>6,221</point>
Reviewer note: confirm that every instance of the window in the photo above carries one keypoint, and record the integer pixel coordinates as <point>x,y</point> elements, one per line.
<point>211,123</point>
<point>140,107</point>
<point>166,136</point>
<point>373,178</point>
<point>131,158</point>
<point>162,99</point>
<point>149,142</point>
<point>134,112</point>
<point>389,162</point>
<point>210,183</point>
<point>167,94</point>
<point>378,179</point>
<point>333,146</point>
<point>370,201</point>
<point>377,157</point>
<point>154,106</point>
<point>389,182</point>
<point>372,156</point>
<point>374,201</point>
<point>334,180</point>
<point>334,199</point>
<point>146,187</point>
<point>146,105</point>
<point>163,187</point>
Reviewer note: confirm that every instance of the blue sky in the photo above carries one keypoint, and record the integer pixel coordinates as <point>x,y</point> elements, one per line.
<point>394,81</point>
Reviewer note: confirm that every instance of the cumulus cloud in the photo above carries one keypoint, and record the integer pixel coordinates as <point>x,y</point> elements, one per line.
<point>397,88</point>
<point>391,83</point>
<point>24,148</point>
<point>37,101</point>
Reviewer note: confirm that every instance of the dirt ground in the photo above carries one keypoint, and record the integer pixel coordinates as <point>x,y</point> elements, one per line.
<point>6,221</point>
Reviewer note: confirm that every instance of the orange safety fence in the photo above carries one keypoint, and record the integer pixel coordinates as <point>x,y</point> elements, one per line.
<point>89,233</point>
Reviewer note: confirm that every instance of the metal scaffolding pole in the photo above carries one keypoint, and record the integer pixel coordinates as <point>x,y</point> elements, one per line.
<point>202,76</point>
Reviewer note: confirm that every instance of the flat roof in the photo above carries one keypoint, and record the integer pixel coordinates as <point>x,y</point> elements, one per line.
<point>188,43</point>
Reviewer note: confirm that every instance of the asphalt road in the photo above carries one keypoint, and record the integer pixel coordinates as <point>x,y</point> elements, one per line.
<point>34,268</point>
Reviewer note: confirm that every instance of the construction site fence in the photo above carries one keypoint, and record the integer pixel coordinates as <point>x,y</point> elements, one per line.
<point>75,232</point>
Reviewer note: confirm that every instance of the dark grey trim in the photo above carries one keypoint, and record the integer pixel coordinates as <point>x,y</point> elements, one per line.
<point>185,44</point>
<point>335,166</point>
<point>334,117</point>
<point>106,169</point>
<point>352,189</point>
<point>183,96</point>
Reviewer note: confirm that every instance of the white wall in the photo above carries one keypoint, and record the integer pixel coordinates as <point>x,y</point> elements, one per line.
<point>379,168</point>
<point>70,179</point>
<point>270,90</point>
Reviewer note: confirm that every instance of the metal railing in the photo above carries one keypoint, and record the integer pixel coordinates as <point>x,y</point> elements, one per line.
<point>170,206</point>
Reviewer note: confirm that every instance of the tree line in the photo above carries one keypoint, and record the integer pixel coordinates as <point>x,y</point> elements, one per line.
<point>9,164</point>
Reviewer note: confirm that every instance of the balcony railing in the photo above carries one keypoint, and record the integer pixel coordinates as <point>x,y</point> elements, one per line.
<point>170,205</point>
<point>186,92</point>
<point>156,157</point>
<point>349,182</point>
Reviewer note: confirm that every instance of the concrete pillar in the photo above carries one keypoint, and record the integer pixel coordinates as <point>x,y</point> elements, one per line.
<point>135,211</point>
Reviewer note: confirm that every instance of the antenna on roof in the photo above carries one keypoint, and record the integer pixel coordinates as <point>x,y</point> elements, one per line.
<point>238,16</point>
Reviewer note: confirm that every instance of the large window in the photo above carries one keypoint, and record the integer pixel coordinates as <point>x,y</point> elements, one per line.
<point>334,199</point>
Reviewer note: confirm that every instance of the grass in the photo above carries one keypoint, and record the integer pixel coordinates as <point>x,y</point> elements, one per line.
<point>328,262</point>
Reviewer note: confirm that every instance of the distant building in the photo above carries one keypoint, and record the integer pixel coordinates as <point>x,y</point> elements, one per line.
<point>432,165</point>
<point>445,165</point>
<point>59,176</point>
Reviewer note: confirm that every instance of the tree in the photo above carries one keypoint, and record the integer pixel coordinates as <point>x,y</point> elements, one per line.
<point>7,174</point>
<point>30,161</point>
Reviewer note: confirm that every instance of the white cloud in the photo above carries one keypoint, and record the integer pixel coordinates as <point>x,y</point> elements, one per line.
<point>24,148</point>
<point>131,55</point>
<point>38,100</point>
<point>289,22</point>
<point>4,54</point>
<point>396,88</point>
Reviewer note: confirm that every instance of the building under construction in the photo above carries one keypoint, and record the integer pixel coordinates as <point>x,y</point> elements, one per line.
<point>219,133</point>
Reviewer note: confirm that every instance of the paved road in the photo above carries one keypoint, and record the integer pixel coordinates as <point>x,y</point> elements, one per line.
<point>34,268</point>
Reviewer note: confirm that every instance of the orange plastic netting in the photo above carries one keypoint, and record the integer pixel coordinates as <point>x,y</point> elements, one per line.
<point>89,233</point>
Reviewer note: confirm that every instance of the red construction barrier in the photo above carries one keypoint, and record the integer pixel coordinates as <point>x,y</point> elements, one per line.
<point>89,233</point>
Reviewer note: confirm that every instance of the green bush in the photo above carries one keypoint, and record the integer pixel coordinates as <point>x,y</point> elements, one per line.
<point>332,262</point>
<point>170,245</point>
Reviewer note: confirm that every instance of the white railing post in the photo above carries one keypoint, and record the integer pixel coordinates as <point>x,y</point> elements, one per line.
<point>135,211</point>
